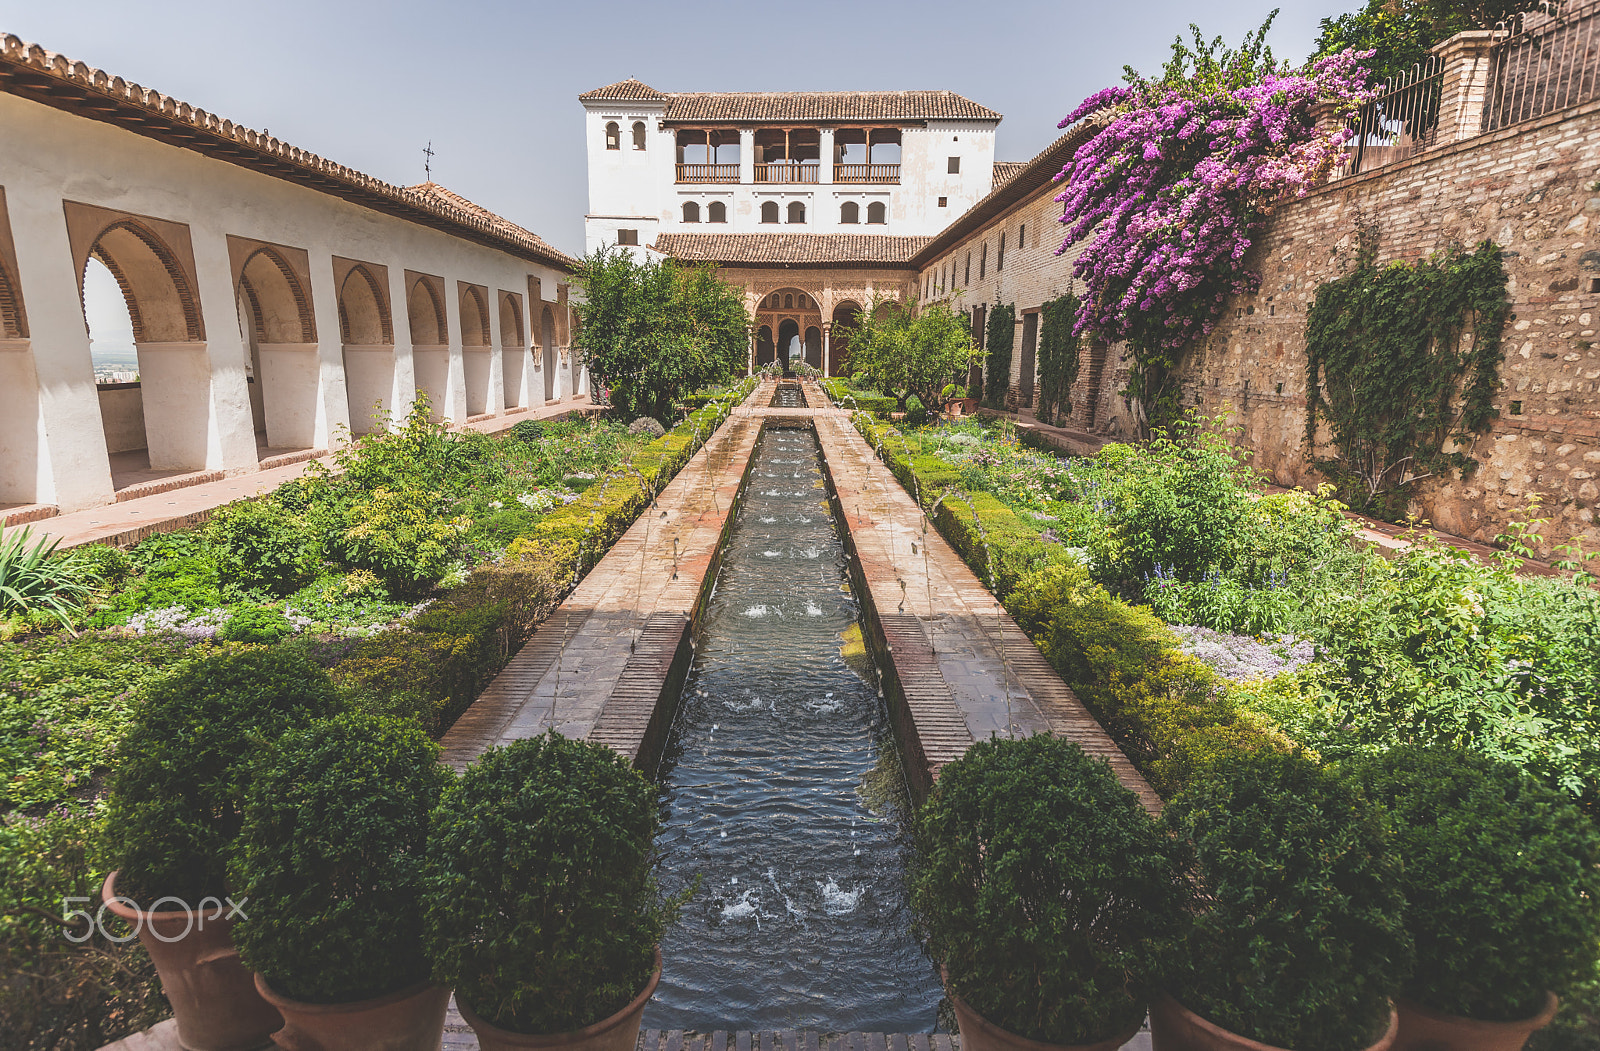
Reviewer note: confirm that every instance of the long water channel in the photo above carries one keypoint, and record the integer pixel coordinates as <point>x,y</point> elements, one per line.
<point>783,791</point>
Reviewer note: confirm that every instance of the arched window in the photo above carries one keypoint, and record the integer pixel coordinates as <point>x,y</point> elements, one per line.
<point>850,212</point>
<point>788,301</point>
<point>638,134</point>
<point>797,212</point>
<point>613,136</point>
<point>772,301</point>
<point>769,211</point>
<point>691,212</point>
<point>877,212</point>
<point>717,212</point>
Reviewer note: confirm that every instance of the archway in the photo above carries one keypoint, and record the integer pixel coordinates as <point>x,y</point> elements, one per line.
<point>366,329</point>
<point>846,319</point>
<point>513,350</point>
<point>280,337</point>
<point>547,341</point>
<point>170,407</point>
<point>19,393</point>
<point>430,341</point>
<point>789,346</point>
<point>813,347</point>
<point>765,353</point>
<point>475,333</point>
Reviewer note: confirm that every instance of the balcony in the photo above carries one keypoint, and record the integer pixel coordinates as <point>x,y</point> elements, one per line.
<point>880,174</point>
<point>788,171</point>
<point>704,173</point>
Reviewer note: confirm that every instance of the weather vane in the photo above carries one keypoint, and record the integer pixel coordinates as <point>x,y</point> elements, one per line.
<point>427,162</point>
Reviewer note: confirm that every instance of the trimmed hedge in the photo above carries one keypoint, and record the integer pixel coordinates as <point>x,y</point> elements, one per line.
<point>1167,711</point>
<point>877,404</point>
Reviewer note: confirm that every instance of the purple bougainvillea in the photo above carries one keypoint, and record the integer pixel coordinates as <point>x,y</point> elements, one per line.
<point>1175,186</point>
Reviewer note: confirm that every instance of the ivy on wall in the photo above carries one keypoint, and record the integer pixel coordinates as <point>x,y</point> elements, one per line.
<point>998,338</point>
<point>1059,349</point>
<point>1400,360</point>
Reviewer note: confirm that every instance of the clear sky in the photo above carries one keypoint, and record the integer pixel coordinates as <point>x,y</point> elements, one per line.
<point>494,85</point>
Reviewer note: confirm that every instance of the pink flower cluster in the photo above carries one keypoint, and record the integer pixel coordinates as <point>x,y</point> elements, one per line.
<point>1174,189</point>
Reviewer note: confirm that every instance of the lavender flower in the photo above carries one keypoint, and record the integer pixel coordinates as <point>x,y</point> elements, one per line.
<point>1240,658</point>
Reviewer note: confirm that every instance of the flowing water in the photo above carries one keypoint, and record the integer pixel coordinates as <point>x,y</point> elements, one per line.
<point>784,793</point>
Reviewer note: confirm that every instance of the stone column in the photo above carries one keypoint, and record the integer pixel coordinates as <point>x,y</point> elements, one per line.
<point>1465,85</point>
<point>827,329</point>
<point>825,168</point>
<point>747,156</point>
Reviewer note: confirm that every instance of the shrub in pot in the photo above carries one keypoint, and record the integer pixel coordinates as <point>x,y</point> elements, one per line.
<point>175,807</point>
<point>542,910</point>
<point>332,857</point>
<point>1046,892</point>
<point>1502,883</point>
<point>1299,940</point>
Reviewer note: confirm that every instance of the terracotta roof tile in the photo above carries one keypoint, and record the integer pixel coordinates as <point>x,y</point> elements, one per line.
<point>1004,170</point>
<point>29,71</point>
<point>629,89</point>
<point>781,249</point>
<point>450,197</point>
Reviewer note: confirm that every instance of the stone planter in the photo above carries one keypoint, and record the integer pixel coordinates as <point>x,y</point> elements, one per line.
<point>213,996</point>
<point>620,1032</point>
<point>1423,1030</point>
<point>1174,1027</point>
<point>411,1019</point>
<point>980,1034</point>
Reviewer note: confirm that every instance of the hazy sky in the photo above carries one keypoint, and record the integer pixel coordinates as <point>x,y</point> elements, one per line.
<point>494,85</point>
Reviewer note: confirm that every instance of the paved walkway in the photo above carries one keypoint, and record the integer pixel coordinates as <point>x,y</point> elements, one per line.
<point>187,500</point>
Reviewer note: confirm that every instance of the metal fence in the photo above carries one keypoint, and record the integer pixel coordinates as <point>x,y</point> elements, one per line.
<point>1549,60</point>
<point>1401,122</point>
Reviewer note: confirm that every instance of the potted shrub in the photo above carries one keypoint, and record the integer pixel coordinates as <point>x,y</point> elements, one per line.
<point>331,857</point>
<point>1299,940</point>
<point>1046,893</point>
<point>175,807</point>
<point>1502,884</point>
<point>542,910</point>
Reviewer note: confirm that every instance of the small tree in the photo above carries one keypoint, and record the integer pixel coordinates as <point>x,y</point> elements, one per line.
<point>655,331</point>
<point>903,352</point>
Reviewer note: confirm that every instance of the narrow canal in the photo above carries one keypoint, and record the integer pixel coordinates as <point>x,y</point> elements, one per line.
<point>784,793</point>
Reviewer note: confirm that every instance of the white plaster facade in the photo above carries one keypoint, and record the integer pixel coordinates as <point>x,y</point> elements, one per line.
<point>230,272</point>
<point>637,184</point>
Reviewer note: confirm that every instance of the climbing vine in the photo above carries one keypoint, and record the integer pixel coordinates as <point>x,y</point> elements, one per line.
<point>998,338</point>
<point>1400,360</point>
<point>1059,348</point>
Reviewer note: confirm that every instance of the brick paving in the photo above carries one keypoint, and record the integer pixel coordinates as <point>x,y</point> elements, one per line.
<point>166,505</point>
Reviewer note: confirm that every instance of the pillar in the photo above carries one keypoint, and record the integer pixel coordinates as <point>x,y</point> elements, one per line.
<point>1464,87</point>
<point>825,168</point>
<point>747,156</point>
<point>827,329</point>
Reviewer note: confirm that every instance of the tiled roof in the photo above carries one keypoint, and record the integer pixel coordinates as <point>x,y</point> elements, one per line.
<point>455,200</point>
<point>29,71</point>
<point>822,107</point>
<point>625,89</point>
<point>816,250</point>
<point>1004,170</point>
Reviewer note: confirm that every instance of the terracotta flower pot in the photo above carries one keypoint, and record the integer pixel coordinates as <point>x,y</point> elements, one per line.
<point>1423,1030</point>
<point>980,1034</point>
<point>620,1032</point>
<point>213,996</point>
<point>411,1019</point>
<point>1174,1027</point>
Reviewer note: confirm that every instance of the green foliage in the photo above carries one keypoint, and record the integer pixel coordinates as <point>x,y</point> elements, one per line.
<point>528,431</point>
<point>332,855</point>
<point>1212,66</point>
<point>177,790</point>
<point>907,353</point>
<point>845,394</point>
<point>542,911</point>
<point>403,536</point>
<point>1501,878</point>
<point>260,544</point>
<point>1059,350</point>
<point>655,331</point>
<point>33,578</point>
<point>1000,332</point>
<point>256,624</point>
<point>1401,32</point>
<point>1386,365</point>
<point>1300,937</point>
<point>61,994</point>
<point>1045,890</point>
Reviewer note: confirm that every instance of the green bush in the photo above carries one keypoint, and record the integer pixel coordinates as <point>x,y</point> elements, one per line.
<point>33,578</point>
<point>407,537</point>
<point>1045,890</point>
<point>1300,937</point>
<point>1502,881</point>
<point>528,431</point>
<point>542,910</point>
<point>256,624</point>
<point>332,855</point>
<point>261,545</point>
<point>176,792</point>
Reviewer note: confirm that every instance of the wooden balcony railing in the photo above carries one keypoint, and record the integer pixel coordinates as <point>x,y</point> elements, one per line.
<point>868,173</point>
<point>708,173</point>
<point>788,171</point>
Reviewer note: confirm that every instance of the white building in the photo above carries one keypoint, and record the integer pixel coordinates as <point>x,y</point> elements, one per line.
<point>888,163</point>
